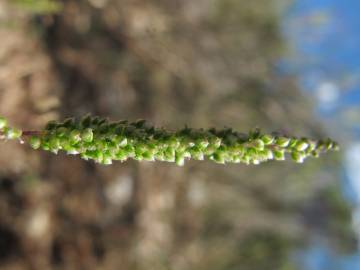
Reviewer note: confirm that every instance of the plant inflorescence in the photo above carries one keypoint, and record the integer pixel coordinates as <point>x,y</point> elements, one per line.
<point>95,138</point>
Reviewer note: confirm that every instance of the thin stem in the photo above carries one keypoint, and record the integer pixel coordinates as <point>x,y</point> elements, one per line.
<point>31,133</point>
<point>27,133</point>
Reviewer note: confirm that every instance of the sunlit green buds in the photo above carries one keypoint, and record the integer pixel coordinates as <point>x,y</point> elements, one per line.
<point>293,142</point>
<point>215,142</point>
<point>3,122</point>
<point>97,139</point>
<point>328,144</point>
<point>35,142</point>
<point>75,136</point>
<point>169,154</point>
<point>54,143</point>
<point>267,154</point>
<point>279,154</point>
<point>147,155</point>
<point>179,159</point>
<point>198,155</point>
<point>258,144</point>
<point>298,156</point>
<point>282,141</point>
<point>267,139</point>
<point>16,133</point>
<point>106,160</point>
<point>12,133</point>
<point>123,142</point>
<point>218,157</point>
<point>202,143</point>
<point>315,154</point>
<point>87,135</point>
<point>255,161</point>
<point>61,131</point>
<point>301,145</point>
<point>312,145</point>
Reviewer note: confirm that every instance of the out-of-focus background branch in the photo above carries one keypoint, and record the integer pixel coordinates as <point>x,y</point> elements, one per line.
<point>201,63</point>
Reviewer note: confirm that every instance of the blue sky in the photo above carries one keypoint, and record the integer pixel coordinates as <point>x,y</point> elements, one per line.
<point>327,33</point>
<point>324,38</point>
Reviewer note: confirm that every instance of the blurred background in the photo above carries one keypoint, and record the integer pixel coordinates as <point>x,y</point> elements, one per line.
<point>281,65</point>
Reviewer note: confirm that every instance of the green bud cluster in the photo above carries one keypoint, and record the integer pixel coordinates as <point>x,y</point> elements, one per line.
<point>7,132</point>
<point>98,139</point>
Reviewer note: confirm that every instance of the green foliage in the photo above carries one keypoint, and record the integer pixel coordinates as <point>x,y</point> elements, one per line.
<point>264,250</point>
<point>97,139</point>
<point>38,6</point>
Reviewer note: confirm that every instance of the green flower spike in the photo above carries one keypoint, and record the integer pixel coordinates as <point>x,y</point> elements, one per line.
<point>97,139</point>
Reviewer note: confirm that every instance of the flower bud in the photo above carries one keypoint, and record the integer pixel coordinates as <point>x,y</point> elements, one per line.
<point>251,152</point>
<point>169,154</point>
<point>75,136</point>
<point>196,153</point>
<point>336,146</point>
<point>3,123</point>
<point>129,150</point>
<point>106,160</point>
<point>202,143</point>
<point>268,154</point>
<point>173,142</point>
<point>246,159</point>
<point>255,161</point>
<point>282,141</point>
<point>61,131</point>
<point>297,157</point>
<point>72,150</point>
<point>187,154</point>
<point>328,144</point>
<point>35,142</point>
<point>12,133</point>
<point>315,154</point>
<point>293,142</point>
<point>312,145</point>
<point>215,142</point>
<point>120,155</point>
<point>160,156</point>
<point>147,155</point>
<point>45,145</point>
<point>218,157</point>
<point>54,143</point>
<point>87,135</point>
<point>98,156</point>
<point>179,159</point>
<point>267,139</point>
<point>258,144</point>
<point>301,145</point>
<point>279,154</point>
